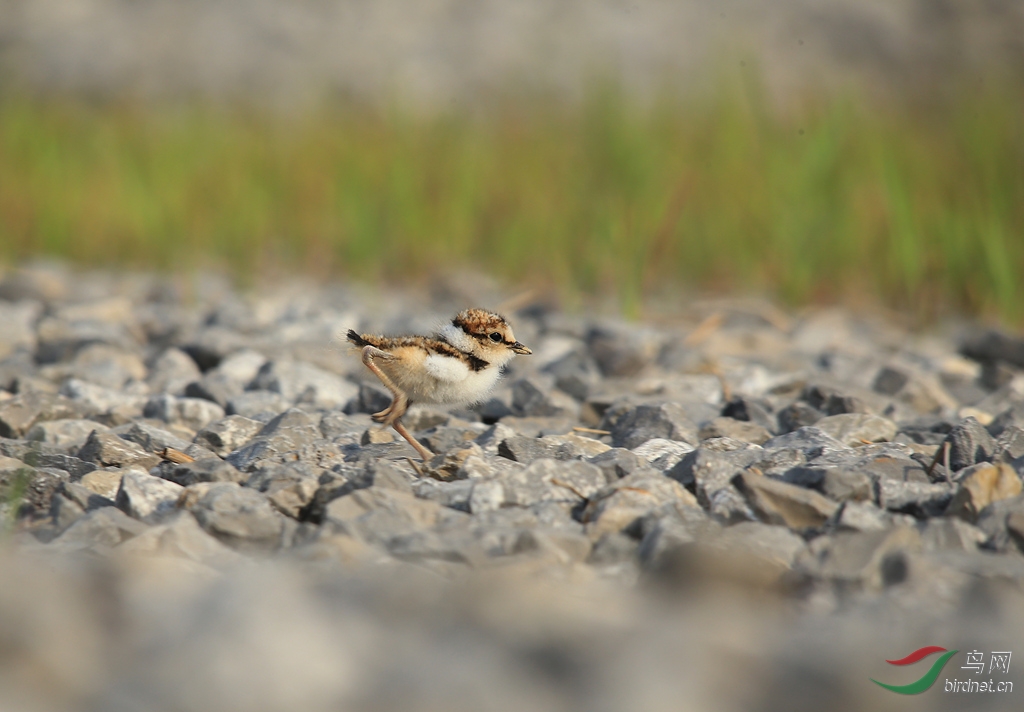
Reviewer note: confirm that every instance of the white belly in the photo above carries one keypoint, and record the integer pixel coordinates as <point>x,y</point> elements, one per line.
<point>448,380</point>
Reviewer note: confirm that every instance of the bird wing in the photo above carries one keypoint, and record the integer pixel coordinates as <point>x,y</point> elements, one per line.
<point>446,368</point>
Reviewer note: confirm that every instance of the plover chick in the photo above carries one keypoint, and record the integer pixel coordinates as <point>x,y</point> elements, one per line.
<point>458,364</point>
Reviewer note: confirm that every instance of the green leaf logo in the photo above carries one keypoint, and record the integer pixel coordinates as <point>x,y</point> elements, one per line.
<point>928,679</point>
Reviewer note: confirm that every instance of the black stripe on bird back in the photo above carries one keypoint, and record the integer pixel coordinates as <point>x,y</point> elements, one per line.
<point>475,362</point>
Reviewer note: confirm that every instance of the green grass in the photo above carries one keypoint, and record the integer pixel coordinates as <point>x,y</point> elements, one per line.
<point>919,207</point>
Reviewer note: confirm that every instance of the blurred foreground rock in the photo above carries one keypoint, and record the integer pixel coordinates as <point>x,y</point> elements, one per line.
<point>754,516</point>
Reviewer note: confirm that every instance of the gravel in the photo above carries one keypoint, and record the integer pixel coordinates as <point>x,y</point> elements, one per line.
<point>616,491</point>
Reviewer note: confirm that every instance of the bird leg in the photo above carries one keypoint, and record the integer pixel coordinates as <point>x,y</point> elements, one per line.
<point>399,401</point>
<point>424,452</point>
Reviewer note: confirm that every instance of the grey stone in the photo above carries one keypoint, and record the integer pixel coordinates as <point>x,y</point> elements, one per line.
<point>64,511</point>
<point>228,434</point>
<point>490,440</point>
<point>644,422</point>
<point>442,439</point>
<point>58,463</point>
<point>575,373</point>
<point>374,472</point>
<point>1003,524</point>
<point>843,485</point>
<point>731,445</point>
<point>855,429</point>
<point>616,463</point>
<point>104,482</point>
<point>624,503</point>
<point>290,489</point>
<point>84,497</point>
<point>15,366</point>
<point>728,506</point>
<point>370,398</point>
<point>107,449</point>
<point>240,517</point>
<point>619,351</point>
<point>422,417</point>
<point>709,470</point>
<point>257,405</point>
<point>557,447</point>
<point>778,461</point>
<point>1009,444</point>
<point>663,454</point>
<point>524,449</point>
<point>669,528</point>
<point>145,497</point>
<point>240,366</point>
<point>839,482</point>
<point>151,438</point>
<point>494,408</point>
<point>212,345</point>
<point>832,401</point>
<point>949,533</point>
<point>68,435</point>
<point>762,551</point>
<point>104,527</point>
<point>423,546</point>
<point>59,339</point>
<point>293,423</point>
<point>388,474</point>
<point>892,466</point>
<point>20,413</point>
<point>573,446</point>
<point>192,413</point>
<point>568,483</point>
<point>613,548</point>
<point>17,325</point>
<point>752,410</point>
<point>1012,416</point>
<point>539,426</point>
<point>861,517</point>
<point>91,399</point>
<point>969,443</point>
<point>214,387</point>
<point>809,440</point>
<point>181,537</point>
<point>863,560</point>
<point>777,502</point>
<point>994,346</point>
<point>337,425</point>
<point>211,469</point>
<point>31,489</point>
<point>797,415</point>
<point>567,545</point>
<point>378,515</point>
<point>301,382</point>
<point>532,398</point>
<point>732,428</point>
<point>455,494</point>
<point>107,366</point>
<point>171,372</point>
<point>889,381</point>
<point>919,499</point>
<point>486,495</point>
<point>285,433</point>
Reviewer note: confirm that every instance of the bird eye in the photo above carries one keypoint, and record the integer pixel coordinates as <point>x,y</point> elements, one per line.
<point>495,337</point>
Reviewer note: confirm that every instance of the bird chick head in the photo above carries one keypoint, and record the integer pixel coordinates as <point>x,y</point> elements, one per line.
<point>484,334</point>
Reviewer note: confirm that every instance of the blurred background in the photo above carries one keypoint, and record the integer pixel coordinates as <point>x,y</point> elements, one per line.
<point>865,151</point>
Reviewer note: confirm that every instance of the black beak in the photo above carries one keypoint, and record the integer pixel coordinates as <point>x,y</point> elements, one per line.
<point>520,349</point>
